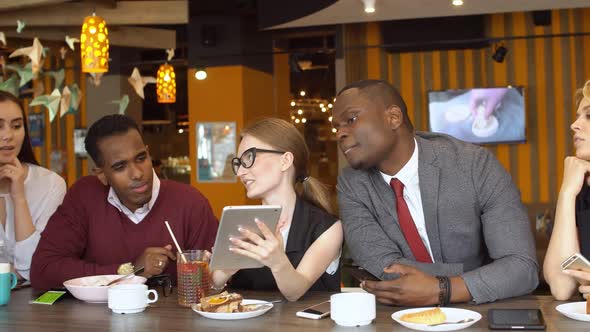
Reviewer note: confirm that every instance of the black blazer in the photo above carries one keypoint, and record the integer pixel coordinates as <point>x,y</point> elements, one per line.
<point>308,223</point>
<point>583,220</point>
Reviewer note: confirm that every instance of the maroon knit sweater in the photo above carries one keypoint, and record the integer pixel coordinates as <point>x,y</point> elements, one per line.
<point>88,236</point>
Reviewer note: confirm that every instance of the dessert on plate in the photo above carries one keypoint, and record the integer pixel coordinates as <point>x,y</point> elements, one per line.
<point>428,317</point>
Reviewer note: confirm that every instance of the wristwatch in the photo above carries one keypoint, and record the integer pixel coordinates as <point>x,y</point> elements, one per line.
<point>126,268</point>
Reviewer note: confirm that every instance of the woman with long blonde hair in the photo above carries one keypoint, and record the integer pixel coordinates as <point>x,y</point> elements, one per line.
<point>571,232</point>
<point>304,252</point>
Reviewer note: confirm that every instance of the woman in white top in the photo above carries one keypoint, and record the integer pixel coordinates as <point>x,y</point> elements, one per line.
<point>304,252</point>
<point>29,194</point>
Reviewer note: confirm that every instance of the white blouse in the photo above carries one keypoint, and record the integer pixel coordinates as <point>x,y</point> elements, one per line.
<point>44,191</point>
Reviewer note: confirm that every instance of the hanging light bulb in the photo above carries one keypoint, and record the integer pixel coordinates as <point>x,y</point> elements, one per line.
<point>293,103</point>
<point>94,45</point>
<point>166,84</point>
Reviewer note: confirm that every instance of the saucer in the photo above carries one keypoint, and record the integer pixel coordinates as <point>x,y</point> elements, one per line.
<point>235,315</point>
<point>453,315</point>
<point>574,310</point>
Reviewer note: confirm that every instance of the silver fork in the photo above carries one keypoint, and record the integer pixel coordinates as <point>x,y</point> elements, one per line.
<point>466,320</point>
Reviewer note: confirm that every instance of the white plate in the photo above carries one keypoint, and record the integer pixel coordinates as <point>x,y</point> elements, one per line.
<point>574,310</point>
<point>453,315</point>
<point>235,315</point>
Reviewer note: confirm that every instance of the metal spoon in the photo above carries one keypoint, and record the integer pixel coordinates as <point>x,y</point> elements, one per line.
<point>466,320</point>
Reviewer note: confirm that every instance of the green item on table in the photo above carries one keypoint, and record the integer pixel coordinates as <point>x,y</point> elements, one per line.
<point>49,297</point>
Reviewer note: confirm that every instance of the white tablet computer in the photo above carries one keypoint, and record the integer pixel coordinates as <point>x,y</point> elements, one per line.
<point>233,217</point>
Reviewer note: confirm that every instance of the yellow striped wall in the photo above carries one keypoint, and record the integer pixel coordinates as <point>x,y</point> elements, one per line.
<point>550,69</point>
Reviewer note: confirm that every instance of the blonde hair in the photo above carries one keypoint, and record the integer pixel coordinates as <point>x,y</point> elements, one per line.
<point>283,136</point>
<point>582,93</point>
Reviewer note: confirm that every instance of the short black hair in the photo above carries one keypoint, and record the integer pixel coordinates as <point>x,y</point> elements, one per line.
<point>107,126</point>
<point>382,90</point>
<point>25,155</point>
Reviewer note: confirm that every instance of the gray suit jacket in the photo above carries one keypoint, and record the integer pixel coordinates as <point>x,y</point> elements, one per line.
<point>476,223</point>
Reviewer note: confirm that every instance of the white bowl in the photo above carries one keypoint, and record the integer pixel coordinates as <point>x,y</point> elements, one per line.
<point>87,288</point>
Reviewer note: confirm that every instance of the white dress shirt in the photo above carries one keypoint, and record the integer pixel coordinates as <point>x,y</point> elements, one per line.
<point>138,215</point>
<point>408,175</point>
<point>44,192</point>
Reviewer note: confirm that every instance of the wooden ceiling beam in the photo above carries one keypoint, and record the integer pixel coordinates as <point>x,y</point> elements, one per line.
<point>125,13</point>
<point>128,36</point>
<point>20,4</point>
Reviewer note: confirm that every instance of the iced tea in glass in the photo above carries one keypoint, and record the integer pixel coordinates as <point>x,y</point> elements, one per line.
<point>193,277</point>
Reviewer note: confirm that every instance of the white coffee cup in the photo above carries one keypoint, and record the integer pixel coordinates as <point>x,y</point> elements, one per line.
<point>130,299</point>
<point>4,267</point>
<point>352,309</point>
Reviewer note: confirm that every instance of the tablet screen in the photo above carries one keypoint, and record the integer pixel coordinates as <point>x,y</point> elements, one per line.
<point>232,218</point>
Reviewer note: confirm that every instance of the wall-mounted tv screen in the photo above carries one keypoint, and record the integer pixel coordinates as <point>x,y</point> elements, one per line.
<point>486,115</point>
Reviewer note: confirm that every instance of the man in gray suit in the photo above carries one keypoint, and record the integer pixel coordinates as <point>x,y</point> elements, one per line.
<point>437,219</point>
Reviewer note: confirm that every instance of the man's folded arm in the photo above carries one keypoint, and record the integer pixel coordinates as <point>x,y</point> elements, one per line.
<point>370,246</point>
<point>63,242</point>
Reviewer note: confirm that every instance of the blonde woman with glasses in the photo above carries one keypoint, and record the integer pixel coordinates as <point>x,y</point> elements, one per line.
<point>303,253</point>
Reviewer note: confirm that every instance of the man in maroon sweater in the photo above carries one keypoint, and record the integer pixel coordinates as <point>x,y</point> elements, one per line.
<point>114,221</point>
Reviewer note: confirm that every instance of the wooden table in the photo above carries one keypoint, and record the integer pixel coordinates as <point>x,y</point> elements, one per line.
<point>69,314</point>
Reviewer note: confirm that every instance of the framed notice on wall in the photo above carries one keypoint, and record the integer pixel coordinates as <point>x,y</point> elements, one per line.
<point>216,146</point>
<point>79,147</point>
<point>36,126</point>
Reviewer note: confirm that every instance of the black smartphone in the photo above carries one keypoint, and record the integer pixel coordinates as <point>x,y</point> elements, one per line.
<point>516,319</point>
<point>359,273</point>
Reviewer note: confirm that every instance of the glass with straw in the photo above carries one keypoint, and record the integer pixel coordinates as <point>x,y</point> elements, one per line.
<point>193,276</point>
<point>192,269</point>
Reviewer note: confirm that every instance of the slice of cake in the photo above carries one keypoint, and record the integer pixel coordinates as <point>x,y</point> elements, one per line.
<point>428,317</point>
<point>224,302</point>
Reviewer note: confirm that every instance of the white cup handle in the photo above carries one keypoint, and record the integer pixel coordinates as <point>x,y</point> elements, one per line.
<point>151,291</point>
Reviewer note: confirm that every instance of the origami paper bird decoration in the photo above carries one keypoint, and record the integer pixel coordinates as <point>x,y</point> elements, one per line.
<point>138,82</point>
<point>25,73</point>
<point>33,52</point>
<point>3,38</point>
<point>58,76</point>
<point>70,41</point>
<point>10,85</point>
<point>170,53</point>
<point>95,78</point>
<point>123,103</point>
<point>65,101</point>
<point>63,51</point>
<point>70,99</point>
<point>51,102</point>
<point>20,25</point>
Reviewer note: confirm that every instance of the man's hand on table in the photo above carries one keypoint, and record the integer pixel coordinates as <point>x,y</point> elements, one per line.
<point>412,288</point>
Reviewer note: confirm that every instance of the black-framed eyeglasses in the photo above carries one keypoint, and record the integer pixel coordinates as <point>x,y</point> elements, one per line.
<point>247,158</point>
<point>161,282</point>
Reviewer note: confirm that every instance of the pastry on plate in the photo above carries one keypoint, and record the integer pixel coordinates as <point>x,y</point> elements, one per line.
<point>224,302</point>
<point>428,317</point>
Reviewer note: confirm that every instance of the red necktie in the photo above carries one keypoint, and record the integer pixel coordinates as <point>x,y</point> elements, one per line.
<point>407,224</point>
